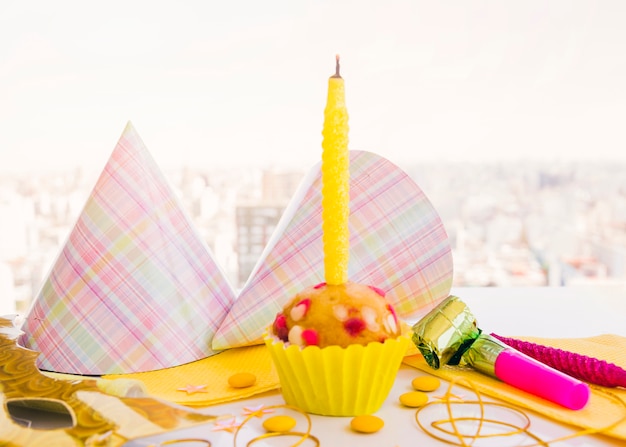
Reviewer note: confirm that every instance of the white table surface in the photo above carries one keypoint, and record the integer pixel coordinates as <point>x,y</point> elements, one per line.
<point>543,312</point>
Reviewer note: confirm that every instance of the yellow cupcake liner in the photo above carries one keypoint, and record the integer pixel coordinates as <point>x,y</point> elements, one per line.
<point>335,381</point>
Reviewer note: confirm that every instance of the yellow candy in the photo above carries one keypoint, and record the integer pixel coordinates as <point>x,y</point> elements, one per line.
<point>413,399</point>
<point>366,423</point>
<point>279,424</point>
<point>426,383</point>
<point>242,380</point>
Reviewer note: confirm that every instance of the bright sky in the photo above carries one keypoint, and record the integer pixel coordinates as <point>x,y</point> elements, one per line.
<point>211,82</point>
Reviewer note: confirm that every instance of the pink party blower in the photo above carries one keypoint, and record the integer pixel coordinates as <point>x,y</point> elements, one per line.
<point>448,335</point>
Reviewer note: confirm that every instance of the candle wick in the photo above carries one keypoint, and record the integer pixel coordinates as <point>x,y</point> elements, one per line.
<point>336,75</point>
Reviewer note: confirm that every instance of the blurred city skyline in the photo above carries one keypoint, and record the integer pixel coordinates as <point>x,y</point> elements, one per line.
<point>208,83</point>
<point>509,224</point>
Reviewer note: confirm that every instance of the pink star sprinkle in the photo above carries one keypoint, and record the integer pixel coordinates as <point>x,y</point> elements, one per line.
<point>257,411</point>
<point>229,425</point>
<point>192,389</point>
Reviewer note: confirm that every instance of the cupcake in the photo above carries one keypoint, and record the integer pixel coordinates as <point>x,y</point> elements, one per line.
<point>337,349</point>
<point>336,346</point>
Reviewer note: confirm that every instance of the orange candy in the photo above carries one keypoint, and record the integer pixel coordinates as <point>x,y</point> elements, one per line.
<point>366,423</point>
<point>242,380</point>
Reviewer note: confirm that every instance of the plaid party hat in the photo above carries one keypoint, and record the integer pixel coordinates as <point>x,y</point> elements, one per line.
<point>397,243</point>
<point>134,288</point>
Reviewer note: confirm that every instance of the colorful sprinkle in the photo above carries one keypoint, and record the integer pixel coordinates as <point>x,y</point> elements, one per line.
<point>341,312</point>
<point>280,327</point>
<point>279,424</point>
<point>425,383</point>
<point>295,335</point>
<point>391,324</point>
<point>369,315</point>
<point>242,380</point>
<point>310,337</point>
<point>300,310</point>
<point>379,291</point>
<point>414,399</point>
<point>366,423</point>
<point>354,326</point>
<point>320,285</point>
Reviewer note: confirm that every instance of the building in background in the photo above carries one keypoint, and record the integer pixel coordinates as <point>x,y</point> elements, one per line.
<point>255,226</point>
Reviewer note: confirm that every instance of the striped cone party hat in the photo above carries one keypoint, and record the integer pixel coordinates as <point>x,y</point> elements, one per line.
<point>134,288</point>
<point>397,243</point>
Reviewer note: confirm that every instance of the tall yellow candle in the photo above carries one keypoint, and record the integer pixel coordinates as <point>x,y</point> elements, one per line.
<point>335,183</point>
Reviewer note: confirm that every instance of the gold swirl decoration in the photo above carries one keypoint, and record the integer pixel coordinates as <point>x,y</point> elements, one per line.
<point>23,385</point>
<point>462,422</point>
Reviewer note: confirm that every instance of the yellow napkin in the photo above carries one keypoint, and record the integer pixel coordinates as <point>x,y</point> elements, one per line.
<point>213,372</point>
<point>603,408</point>
<point>207,380</point>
